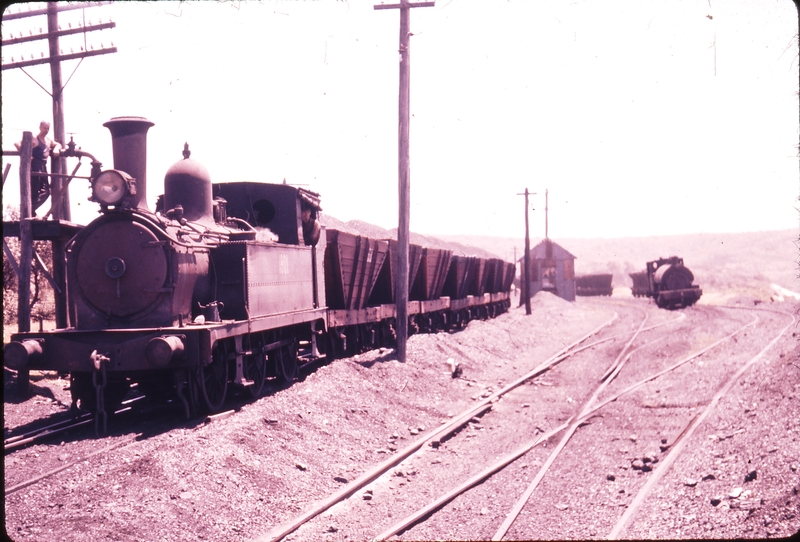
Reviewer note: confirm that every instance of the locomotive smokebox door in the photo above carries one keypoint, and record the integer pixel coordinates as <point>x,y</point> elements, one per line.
<point>122,269</point>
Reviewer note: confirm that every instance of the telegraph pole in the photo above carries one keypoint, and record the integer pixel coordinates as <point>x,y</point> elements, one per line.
<point>526,264</point>
<point>60,194</point>
<point>404,176</point>
<point>546,218</point>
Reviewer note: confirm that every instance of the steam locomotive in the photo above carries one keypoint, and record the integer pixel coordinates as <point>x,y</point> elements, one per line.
<point>230,284</point>
<point>668,282</point>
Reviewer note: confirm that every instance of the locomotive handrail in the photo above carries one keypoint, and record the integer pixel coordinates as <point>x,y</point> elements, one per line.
<point>161,227</point>
<point>243,222</point>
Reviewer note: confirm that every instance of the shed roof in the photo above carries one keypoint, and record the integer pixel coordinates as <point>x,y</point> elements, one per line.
<point>539,252</point>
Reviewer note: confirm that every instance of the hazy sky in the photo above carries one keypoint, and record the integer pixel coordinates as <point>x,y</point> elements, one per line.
<point>640,117</point>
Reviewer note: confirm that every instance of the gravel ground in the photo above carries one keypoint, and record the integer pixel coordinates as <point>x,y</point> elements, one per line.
<point>240,476</point>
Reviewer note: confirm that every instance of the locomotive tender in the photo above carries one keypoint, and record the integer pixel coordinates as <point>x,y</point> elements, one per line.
<point>229,283</point>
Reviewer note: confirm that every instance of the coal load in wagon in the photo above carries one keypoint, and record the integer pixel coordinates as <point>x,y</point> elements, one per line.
<point>352,265</point>
<point>432,272</point>
<point>480,277</point>
<point>511,272</point>
<point>496,272</point>
<point>384,290</point>
<point>458,278</point>
<point>594,285</point>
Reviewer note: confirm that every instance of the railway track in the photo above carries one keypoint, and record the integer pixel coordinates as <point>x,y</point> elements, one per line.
<point>609,388</point>
<point>458,422</point>
<point>83,427</point>
<point>50,431</point>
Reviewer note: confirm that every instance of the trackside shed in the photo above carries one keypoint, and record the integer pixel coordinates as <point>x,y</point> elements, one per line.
<point>552,269</point>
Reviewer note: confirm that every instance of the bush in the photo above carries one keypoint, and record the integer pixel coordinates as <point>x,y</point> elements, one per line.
<point>42,295</point>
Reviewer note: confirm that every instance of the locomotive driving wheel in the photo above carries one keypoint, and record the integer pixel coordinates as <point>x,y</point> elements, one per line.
<point>213,379</point>
<point>285,363</point>
<point>255,366</point>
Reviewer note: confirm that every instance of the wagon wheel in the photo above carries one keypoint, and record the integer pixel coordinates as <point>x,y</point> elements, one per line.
<point>285,363</point>
<point>213,379</point>
<point>255,369</point>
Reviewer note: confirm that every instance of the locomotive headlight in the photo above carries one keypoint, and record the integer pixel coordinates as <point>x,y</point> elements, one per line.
<point>112,186</point>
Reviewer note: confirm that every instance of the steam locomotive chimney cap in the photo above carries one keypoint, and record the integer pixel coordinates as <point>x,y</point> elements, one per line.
<point>115,121</point>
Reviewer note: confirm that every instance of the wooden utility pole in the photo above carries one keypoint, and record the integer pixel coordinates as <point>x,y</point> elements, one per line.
<point>526,264</point>
<point>404,176</point>
<point>546,218</point>
<point>60,194</point>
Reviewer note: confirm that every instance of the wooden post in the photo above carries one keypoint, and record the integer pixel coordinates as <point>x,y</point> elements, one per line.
<point>26,250</point>
<point>59,193</point>
<point>527,287</point>
<point>404,176</point>
<point>25,153</point>
<point>546,218</point>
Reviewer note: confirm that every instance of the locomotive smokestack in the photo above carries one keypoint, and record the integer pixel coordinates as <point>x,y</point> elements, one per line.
<point>129,143</point>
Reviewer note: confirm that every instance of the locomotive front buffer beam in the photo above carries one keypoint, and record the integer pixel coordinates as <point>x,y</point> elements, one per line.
<point>120,350</point>
<point>678,298</point>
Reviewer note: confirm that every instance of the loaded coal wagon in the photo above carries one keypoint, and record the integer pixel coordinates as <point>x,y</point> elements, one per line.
<point>594,285</point>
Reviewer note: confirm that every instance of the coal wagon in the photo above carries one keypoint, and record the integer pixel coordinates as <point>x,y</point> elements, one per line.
<point>594,285</point>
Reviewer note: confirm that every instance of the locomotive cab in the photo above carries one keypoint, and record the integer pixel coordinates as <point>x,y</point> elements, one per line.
<point>290,213</point>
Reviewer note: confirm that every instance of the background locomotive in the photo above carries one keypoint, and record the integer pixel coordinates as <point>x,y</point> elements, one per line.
<point>668,282</point>
<point>230,283</point>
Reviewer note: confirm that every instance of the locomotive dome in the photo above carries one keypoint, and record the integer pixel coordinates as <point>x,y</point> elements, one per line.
<point>187,183</point>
